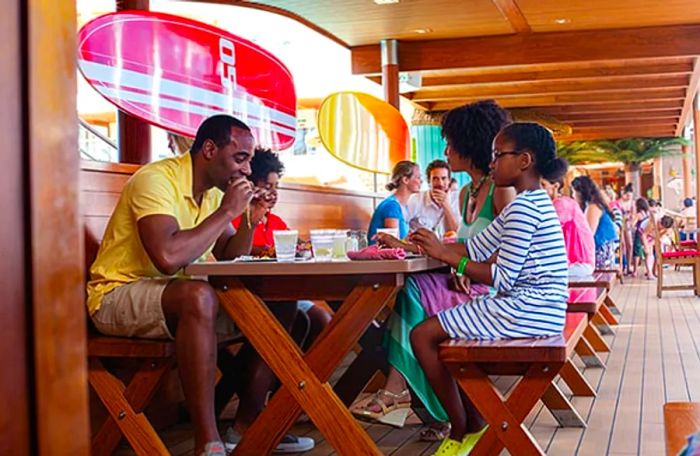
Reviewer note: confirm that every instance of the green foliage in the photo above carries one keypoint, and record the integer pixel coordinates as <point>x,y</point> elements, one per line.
<point>632,151</point>
<point>580,152</point>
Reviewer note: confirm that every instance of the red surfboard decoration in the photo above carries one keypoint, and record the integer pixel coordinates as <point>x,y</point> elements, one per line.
<point>174,72</point>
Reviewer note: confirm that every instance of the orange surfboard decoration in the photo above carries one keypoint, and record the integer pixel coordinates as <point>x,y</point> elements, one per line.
<point>363,131</point>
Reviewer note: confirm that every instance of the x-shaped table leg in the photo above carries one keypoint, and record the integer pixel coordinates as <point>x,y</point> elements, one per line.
<point>505,416</point>
<point>303,377</point>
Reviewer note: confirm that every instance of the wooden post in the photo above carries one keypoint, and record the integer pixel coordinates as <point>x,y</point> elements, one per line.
<point>685,163</point>
<point>54,244</point>
<point>696,138</point>
<point>390,72</point>
<point>16,433</point>
<point>134,135</point>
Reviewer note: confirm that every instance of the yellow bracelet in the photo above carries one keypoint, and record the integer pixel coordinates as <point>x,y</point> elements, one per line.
<point>247,218</point>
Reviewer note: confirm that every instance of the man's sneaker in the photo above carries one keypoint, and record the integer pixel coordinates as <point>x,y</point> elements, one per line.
<point>290,443</point>
<point>293,444</point>
<point>214,449</point>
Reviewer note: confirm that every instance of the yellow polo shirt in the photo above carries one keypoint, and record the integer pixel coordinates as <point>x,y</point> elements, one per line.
<point>163,187</point>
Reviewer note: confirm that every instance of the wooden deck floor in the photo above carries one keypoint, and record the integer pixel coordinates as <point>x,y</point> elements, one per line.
<point>655,358</point>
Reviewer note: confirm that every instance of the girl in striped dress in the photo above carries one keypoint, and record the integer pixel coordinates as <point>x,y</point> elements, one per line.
<point>521,254</point>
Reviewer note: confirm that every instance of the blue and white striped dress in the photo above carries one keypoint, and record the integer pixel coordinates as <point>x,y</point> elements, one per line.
<point>530,275</point>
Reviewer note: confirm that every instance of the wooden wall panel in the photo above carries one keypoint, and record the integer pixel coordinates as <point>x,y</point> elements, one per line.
<point>303,207</point>
<point>56,235</point>
<point>15,357</point>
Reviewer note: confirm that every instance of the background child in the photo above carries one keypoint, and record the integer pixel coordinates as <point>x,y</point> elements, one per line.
<point>643,250</point>
<point>529,273</point>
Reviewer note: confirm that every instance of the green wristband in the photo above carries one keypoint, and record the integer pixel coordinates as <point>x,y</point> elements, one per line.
<point>462,264</point>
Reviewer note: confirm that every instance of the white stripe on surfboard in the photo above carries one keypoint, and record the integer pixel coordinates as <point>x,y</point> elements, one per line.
<point>105,73</point>
<point>258,123</point>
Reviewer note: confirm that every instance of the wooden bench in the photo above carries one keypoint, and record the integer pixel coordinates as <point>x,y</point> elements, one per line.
<point>101,185</point>
<point>680,420</point>
<point>588,301</point>
<point>537,361</point>
<point>591,301</point>
<point>601,280</point>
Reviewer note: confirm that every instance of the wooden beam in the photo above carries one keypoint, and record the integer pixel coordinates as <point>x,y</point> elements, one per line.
<point>390,73</point>
<point>580,134</point>
<point>527,101</point>
<point>535,48</point>
<point>544,87</point>
<point>550,74</point>
<point>668,113</point>
<point>630,106</point>
<point>607,135</point>
<point>511,11</point>
<point>665,121</point>
<point>281,12</point>
<point>689,97</point>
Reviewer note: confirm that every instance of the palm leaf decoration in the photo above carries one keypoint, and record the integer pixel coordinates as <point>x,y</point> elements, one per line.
<point>581,152</point>
<point>632,151</point>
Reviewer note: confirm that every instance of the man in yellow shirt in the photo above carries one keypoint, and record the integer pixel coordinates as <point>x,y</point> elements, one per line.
<point>171,213</point>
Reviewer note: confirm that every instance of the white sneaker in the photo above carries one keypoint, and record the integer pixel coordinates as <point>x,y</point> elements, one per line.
<point>290,443</point>
<point>214,449</point>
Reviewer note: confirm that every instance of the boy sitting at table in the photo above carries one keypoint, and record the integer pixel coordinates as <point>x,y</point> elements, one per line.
<point>171,213</point>
<point>266,171</point>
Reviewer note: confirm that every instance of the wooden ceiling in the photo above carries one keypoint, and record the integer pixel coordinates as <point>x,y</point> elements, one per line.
<point>608,69</point>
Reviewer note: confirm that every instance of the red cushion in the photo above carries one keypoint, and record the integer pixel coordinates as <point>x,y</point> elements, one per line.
<point>681,253</point>
<point>688,243</point>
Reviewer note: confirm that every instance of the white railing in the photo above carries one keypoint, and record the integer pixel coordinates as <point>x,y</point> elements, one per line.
<point>94,145</point>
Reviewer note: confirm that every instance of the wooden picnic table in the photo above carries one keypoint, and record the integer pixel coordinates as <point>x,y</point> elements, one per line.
<point>365,287</point>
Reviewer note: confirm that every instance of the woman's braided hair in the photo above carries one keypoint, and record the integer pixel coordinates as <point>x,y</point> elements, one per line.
<point>470,130</point>
<point>538,140</point>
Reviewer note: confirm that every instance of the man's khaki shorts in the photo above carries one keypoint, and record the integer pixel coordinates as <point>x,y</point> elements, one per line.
<point>136,310</point>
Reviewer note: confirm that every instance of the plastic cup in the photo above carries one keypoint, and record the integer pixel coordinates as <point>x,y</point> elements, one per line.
<point>285,245</point>
<point>340,239</point>
<point>322,244</point>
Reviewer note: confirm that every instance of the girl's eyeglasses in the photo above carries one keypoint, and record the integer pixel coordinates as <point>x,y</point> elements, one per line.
<point>498,154</point>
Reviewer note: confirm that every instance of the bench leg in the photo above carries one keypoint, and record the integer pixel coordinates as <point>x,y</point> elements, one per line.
<point>612,306</point>
<point>575,380</point>
<point>593,337</point>
<point>561,408</point>
<point>505,416</point>
<point>588,355</point>
<point>606,313</point>
<point>602,325</point>
<point>129,420</point>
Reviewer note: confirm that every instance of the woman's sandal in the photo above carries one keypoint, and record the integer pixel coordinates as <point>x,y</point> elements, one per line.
<point>435,432</point>
<point>394,413</point>
<point>470,440</point>
<point>449,447</point>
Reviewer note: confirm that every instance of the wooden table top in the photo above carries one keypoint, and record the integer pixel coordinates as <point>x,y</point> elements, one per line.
<point>311,268</point>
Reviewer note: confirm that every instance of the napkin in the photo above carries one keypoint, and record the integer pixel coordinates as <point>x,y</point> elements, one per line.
<point>373,252</point>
